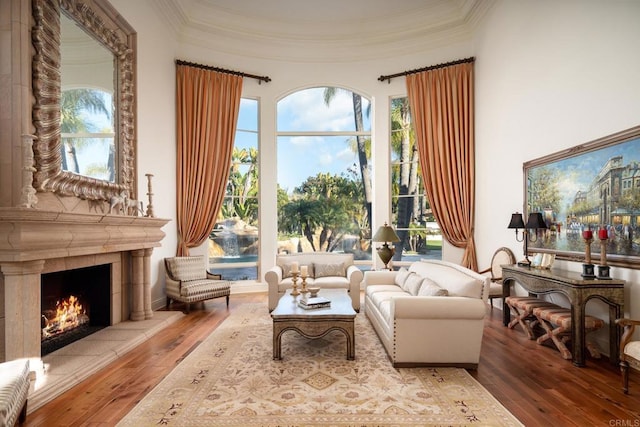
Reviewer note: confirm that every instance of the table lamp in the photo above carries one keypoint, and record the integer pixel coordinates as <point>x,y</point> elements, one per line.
<point>534,222</point>
<point>385,234</point>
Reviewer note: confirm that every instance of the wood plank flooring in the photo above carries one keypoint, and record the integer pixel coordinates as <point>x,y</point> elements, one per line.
<point>531,381</point>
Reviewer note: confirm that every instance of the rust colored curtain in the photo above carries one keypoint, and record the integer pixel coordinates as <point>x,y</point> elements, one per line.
<point>442,102</point>
<point>208,103</point>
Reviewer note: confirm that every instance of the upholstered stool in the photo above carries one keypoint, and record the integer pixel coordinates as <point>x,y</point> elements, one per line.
<point>561,318</point>
<point>14,388</point>
<point>522,309</point>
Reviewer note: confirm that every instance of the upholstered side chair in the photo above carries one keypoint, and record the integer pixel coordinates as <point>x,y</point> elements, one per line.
<point>502,256</point>
<point>629,350</point>
<point>188,281</point>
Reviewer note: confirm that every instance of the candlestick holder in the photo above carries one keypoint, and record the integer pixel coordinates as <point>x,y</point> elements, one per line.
<point>150,195</point>
<point>304,289</point>
<point>588,269</point>
<point>603,268</point>
<point>294,279</point>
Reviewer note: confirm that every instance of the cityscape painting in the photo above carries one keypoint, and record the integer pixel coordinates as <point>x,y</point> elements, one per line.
<point>591,187</point>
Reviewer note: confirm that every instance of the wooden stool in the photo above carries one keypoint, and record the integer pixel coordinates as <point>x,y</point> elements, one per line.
<point>561,318</point>
<point>522,308</point>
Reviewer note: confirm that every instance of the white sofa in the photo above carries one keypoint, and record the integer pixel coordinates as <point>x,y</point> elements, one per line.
<point>431,314</point>
<point>328,270</point>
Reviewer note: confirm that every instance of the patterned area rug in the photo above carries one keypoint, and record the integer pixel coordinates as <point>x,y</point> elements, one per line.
<point>231,379</point>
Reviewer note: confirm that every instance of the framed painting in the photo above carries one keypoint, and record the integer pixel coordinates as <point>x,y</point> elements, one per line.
<point>594,186</point>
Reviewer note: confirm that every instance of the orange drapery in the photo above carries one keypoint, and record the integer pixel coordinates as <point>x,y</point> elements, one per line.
<point>208,103</point>
<point>442,107</point>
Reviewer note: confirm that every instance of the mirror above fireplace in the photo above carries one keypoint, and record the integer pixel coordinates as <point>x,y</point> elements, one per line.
<point>112,34</point>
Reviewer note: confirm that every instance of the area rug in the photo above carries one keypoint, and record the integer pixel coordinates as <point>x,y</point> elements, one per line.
<point>231,379</point>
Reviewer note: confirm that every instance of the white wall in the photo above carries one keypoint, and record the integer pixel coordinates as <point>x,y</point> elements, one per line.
<point>156,126</point>
<point>549,75</point>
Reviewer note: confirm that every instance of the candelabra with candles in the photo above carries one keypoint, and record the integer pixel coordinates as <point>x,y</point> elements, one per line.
<point>304,273</point>
<point>588,267</point>
<point>294,279</point>
<point>603,268</point>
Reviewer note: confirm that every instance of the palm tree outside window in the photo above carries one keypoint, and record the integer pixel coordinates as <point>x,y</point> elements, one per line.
<point>420,235</point>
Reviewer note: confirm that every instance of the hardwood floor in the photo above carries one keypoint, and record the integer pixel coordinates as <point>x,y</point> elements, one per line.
<point>531,381</point>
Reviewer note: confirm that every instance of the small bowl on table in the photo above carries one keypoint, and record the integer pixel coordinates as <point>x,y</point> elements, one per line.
<point>313,292</point>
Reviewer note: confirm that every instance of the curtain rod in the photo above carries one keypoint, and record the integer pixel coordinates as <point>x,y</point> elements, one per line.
<point>431,67</point>
<point>260,79</point>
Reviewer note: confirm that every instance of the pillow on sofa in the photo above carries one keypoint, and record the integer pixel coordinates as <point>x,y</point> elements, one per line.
<point>286,268</point>
<point>429,288</point>
<point>412,284</point>
<point>401,277</point>
<point>327,270</point>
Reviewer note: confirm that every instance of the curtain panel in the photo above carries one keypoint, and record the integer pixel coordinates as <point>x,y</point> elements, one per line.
<point>208,103</point>
<point>442,106</point>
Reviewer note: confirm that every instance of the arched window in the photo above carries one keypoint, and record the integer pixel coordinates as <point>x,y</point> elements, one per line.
<point>324,172</point>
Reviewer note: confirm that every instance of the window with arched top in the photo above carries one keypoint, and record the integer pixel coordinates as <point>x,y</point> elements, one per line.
<point>324,172</point>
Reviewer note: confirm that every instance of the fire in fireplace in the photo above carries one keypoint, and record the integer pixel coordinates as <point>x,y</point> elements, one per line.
<point>68,314</point>
<point>75,304</point>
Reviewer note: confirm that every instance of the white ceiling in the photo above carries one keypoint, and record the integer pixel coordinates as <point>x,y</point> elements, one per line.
<point>326,30</point>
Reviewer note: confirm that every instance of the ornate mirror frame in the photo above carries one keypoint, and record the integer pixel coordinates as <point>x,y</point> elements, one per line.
<point>100,20</point>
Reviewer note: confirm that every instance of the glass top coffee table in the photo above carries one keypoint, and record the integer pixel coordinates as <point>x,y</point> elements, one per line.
<point>317,322</point>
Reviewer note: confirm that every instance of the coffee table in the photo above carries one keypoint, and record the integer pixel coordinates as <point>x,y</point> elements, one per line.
<point>317,322</point>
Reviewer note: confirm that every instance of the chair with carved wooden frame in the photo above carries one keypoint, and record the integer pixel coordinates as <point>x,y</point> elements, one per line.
<point>629,350</point>
<point>501,257</point>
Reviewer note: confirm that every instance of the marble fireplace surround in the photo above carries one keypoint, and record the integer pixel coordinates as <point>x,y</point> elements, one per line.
<point>34,242</point>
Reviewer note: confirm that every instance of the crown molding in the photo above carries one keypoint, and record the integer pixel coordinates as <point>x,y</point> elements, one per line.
<point>340,36</point>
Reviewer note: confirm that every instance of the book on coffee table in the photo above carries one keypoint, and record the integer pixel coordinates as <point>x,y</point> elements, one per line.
<point>314,302</point>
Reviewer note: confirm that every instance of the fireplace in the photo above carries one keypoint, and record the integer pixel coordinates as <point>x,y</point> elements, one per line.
<point>35,243</point>
<point>75,303</point>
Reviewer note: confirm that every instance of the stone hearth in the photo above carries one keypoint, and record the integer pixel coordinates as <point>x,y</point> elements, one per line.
<point>34,242</point>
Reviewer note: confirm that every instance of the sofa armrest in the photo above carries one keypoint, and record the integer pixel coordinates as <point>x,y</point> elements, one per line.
<point>273,276</point>
<point>382,277</point>
<point>427,307</point>
<point>354,275</point>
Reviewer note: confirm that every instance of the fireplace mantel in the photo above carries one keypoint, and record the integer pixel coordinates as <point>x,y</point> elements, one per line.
<point>34,241</point>
<point>32,234</point>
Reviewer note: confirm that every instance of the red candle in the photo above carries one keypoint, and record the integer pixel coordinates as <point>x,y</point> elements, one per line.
<point>587,234</point>
<point>602,234</point>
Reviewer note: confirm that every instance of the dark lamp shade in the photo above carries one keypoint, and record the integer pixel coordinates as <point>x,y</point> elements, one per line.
<point>385,234</point>
<point>516,221</point>
<point>536,221</point>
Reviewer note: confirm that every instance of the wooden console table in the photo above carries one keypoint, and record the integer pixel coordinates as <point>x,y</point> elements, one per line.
<point>579,291</point>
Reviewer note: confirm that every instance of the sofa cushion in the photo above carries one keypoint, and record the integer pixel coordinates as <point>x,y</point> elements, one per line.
<point>451,277</point>
<point>429,288</point>
<point>287,267</point>
<point>401,276</point>
<point>329,269</point>
<point>412,284</point>
<point>372,289</point>
<point>331,282</point>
